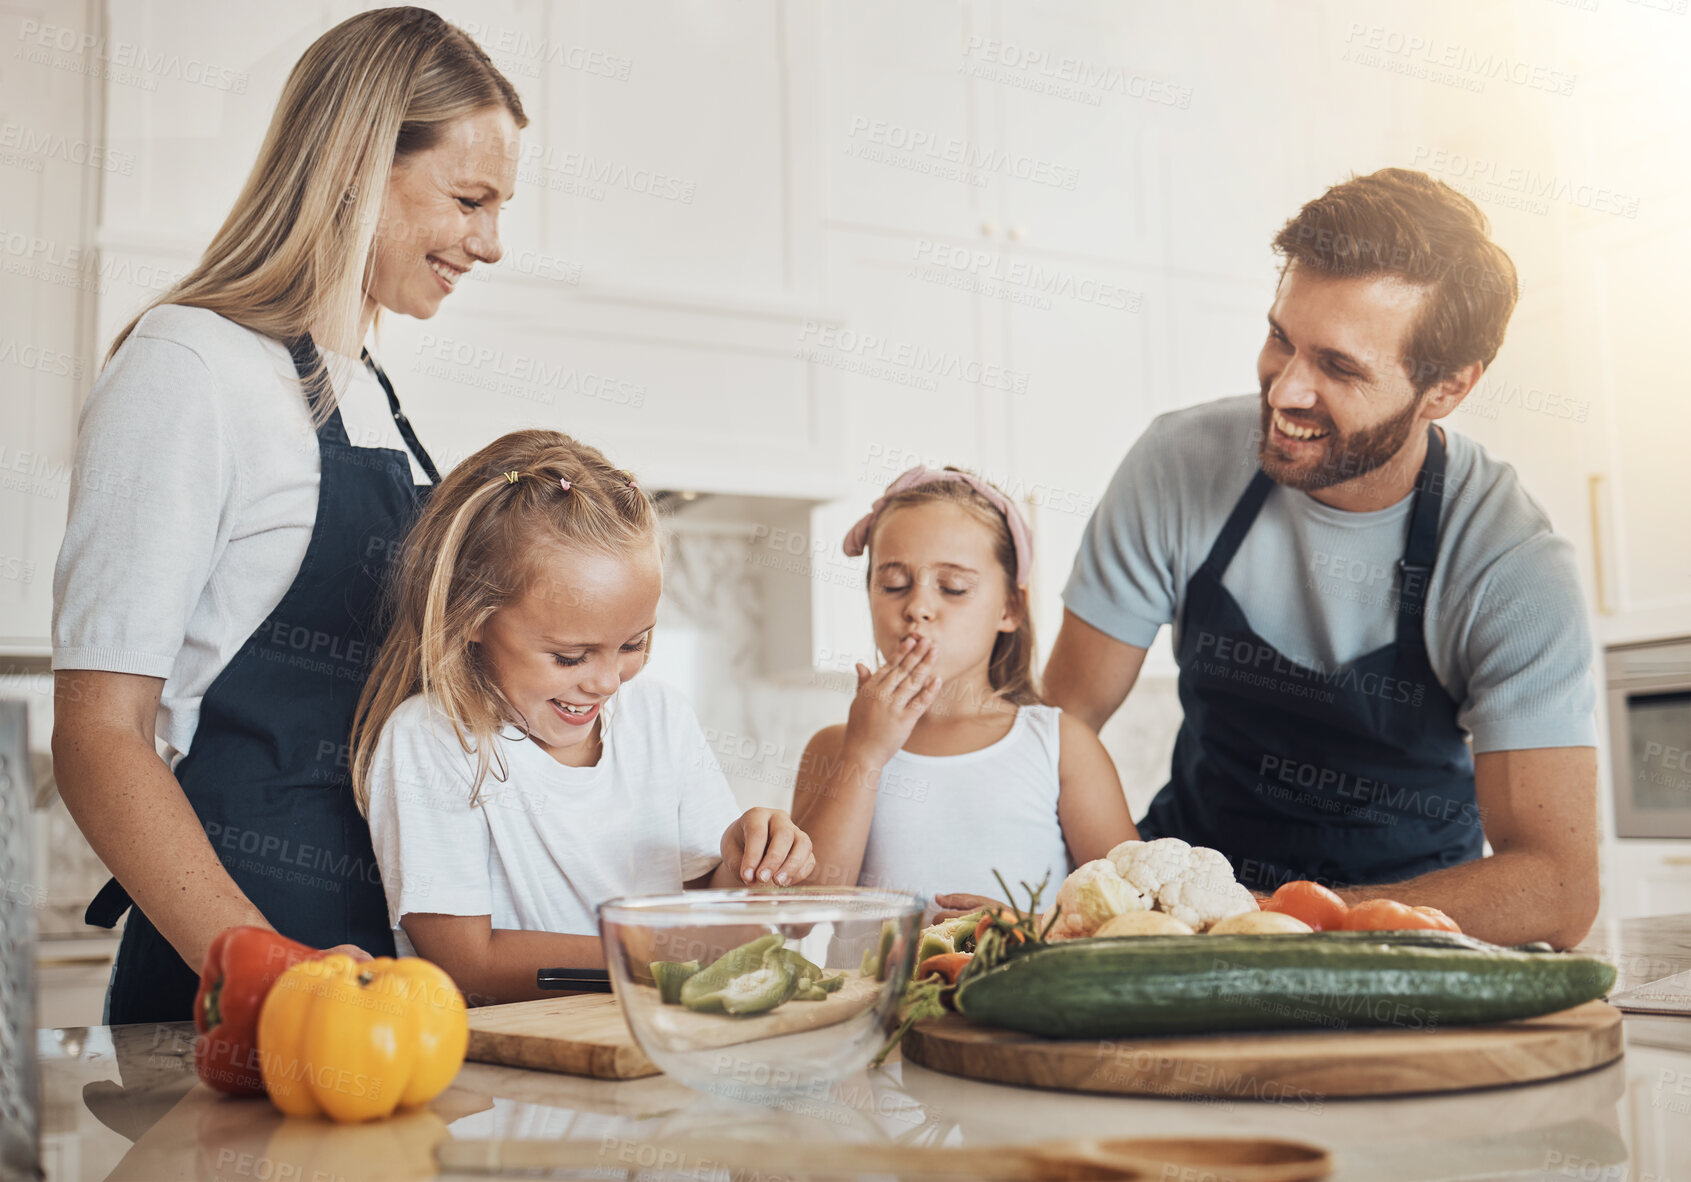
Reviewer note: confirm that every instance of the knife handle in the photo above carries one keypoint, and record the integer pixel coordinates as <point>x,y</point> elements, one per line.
<point>577,980</point>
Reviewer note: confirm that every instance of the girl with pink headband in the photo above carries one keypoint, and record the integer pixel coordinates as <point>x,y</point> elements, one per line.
<point>949,765</point>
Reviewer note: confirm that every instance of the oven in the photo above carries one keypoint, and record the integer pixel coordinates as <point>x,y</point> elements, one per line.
<point>1649,687</point>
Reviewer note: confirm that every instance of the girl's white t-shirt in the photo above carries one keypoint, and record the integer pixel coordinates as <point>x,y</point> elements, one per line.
<point>542,849</point>
<point>944,823</point>
<point>192,500</point>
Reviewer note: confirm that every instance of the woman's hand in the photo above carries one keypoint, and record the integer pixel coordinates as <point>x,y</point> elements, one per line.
<point>351,950</point>
<point>891,699</point>
<point>765,846</point>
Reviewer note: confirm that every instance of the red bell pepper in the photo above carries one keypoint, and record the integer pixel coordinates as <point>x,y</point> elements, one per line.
<point>240,967</point>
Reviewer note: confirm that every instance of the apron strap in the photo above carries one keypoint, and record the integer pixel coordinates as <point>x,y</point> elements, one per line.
<point>1238,524</point>
<point>1421,550</point>
<point>406,431</point>
<point>108,905</point>
<point>315,379</point>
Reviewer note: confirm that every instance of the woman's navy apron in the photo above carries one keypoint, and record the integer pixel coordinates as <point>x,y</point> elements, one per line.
<point>1358,774</point>
<point>268,772</point>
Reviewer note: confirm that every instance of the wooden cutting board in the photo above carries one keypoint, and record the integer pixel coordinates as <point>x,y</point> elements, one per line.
<point>1279,1065</point>
<point>579,1035</point>
<point>585,1034</point>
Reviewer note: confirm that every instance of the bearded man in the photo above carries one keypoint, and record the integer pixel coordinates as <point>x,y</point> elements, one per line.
<point>1385,658</point>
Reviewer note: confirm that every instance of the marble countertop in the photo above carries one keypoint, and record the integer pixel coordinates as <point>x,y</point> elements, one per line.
<point>123,1103</point>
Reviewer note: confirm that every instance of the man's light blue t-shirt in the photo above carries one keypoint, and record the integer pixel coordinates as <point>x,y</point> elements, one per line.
<point>1506,626</point>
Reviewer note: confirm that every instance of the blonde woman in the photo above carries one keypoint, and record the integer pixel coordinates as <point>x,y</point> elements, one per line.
<point>218,586</point>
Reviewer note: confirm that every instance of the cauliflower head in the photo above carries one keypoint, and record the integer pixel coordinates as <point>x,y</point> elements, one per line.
<point>1150,864</point>
<point>1093,894</point>
<point>1194,884</point>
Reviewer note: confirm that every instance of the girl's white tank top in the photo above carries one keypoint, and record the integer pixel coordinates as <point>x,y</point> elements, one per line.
<point>944,823</point>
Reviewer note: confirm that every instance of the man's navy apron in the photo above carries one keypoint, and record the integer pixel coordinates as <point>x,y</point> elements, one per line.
<point>268,769</point>
<point>1358,774</point>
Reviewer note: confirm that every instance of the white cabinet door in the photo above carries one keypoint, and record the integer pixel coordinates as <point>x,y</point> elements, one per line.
<point>48,280</point>
<point>902,145</point>
<point>1642,510</point>
<point>668,169</point>
<point>1629,247</point>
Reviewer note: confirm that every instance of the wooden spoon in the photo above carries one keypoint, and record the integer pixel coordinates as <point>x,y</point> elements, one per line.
<point>1124,1159</point>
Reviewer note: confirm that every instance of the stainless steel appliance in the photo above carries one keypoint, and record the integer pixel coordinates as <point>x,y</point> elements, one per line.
<point>1650,737</point>
<point>19,1096</point>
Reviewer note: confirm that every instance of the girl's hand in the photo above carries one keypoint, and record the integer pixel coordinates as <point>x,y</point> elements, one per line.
<point>951,906</point>
<point>765,846</point>
<point>891,699</point>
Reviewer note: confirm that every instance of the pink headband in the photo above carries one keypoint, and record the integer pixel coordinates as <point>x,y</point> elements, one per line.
<point>857,541</point>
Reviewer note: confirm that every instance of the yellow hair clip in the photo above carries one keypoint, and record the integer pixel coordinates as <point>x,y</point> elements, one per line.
<point>512,476</point>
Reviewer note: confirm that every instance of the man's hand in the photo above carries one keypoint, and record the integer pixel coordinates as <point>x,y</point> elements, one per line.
<point>765,846</point>
<point>1539,808</point>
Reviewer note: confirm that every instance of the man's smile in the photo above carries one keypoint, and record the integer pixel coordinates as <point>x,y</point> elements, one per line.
<point>1293,430</point>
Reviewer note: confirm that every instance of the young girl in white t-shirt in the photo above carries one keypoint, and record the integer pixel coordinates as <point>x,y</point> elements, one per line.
<point>949,767</point>
<point>514,774</point>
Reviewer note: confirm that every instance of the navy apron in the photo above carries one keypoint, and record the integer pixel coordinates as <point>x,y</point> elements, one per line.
<point>1345,776</point>
<point>268,772</point>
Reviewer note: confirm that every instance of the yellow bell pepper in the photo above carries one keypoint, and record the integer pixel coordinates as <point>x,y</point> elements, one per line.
<point>356,1040</point>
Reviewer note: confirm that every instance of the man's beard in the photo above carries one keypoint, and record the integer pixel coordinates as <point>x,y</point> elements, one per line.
<point>1346,457</point>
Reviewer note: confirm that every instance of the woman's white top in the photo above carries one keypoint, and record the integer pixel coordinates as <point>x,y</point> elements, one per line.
<point>944,823</point>
<point>192,501</point>
<point>542,850</point>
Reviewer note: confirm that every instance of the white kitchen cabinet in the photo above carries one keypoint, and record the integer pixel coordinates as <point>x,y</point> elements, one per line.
<point>1628,245</point>
<point>898,124</point>
<point>48,282</point>
<point>676,170</point>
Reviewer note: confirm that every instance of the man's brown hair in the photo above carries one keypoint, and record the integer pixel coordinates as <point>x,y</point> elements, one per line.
<point>1404,223</point>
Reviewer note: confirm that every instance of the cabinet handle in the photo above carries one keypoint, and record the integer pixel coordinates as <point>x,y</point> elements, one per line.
<point>1677,860</point>
<point>1594,483</point>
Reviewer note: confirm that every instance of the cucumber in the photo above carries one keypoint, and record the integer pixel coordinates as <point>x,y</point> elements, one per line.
<point>1155,985</point>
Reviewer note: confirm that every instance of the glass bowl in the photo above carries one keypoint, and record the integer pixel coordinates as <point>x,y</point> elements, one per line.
<point>761,992</point>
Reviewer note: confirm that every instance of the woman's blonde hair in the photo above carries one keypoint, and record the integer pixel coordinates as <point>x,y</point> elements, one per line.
<point>477,547</point>
<point>1010,671</point>
<point>294,250</point>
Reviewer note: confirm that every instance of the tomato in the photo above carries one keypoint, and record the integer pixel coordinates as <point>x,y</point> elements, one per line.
<point>1388,915</point>
<point>1438,919</point>
<point>1311,902</point>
